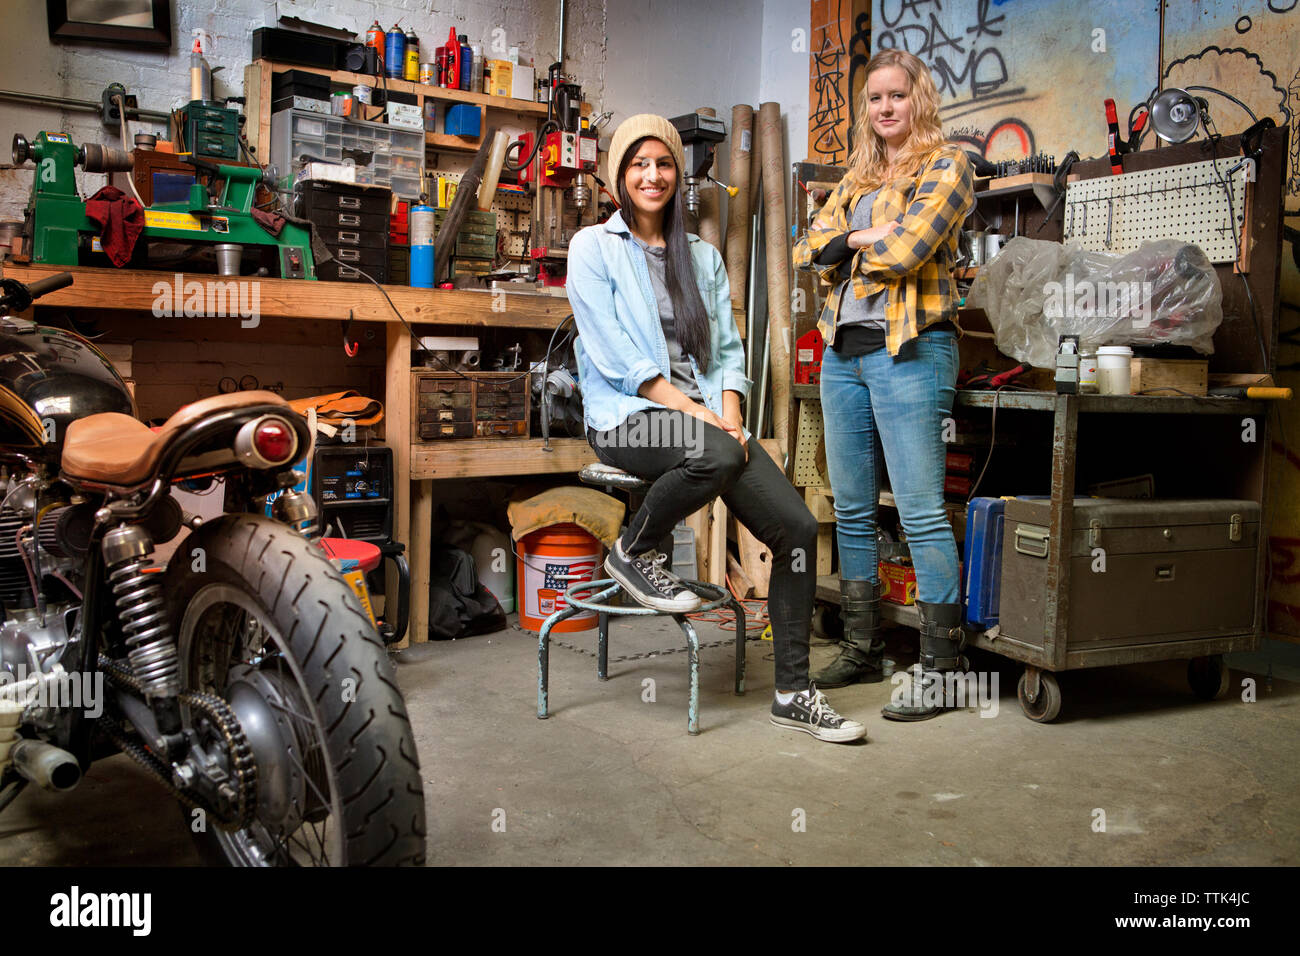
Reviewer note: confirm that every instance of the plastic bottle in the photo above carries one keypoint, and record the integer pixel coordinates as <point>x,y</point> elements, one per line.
<point>466,62</point>
<point>453,61</point>
<point>200,74</point>
<point>476,76</point>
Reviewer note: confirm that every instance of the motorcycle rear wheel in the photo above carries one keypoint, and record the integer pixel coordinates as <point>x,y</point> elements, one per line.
<point>269,625</point>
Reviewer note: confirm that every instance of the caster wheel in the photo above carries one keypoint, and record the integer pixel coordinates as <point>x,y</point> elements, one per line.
<point>1208,677</point>
<point>1048,704</point>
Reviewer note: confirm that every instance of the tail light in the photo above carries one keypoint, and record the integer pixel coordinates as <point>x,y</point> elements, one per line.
<point>266,442</point>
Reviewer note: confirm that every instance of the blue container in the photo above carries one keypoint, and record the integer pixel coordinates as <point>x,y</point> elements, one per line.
<point>394,53</point>
<point>983,558</point>
<point>422,246</point>
<point>463,119</point>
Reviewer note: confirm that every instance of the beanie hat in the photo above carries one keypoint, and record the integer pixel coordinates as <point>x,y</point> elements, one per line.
<point>637,127</point>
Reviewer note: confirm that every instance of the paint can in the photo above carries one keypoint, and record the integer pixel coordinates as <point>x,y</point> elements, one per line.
<point>428,74</point>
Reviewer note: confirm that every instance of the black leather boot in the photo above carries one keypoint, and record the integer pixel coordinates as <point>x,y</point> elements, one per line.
<point>942,641</point>
<point>863,649</point>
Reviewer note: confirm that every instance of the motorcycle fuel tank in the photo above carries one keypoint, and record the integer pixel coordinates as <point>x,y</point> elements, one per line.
<point>48,379</point>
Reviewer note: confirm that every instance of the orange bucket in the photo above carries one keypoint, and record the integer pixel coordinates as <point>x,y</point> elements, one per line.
<point>550,561</point>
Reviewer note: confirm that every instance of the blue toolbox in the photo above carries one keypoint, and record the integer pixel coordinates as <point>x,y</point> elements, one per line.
<point>983,559</point>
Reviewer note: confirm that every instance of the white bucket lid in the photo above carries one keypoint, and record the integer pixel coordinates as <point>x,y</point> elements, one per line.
<point>1114,350</point>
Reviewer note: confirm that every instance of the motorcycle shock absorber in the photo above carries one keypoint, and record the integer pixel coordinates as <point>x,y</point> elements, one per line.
<point>142,615</point>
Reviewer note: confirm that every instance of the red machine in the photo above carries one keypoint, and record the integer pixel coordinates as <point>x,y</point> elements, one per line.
<point>808,359</point>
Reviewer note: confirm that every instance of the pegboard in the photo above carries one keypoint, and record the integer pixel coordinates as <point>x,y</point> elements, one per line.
<point>514,215</point>
<point>807,436</point>
<point>1187,202</point>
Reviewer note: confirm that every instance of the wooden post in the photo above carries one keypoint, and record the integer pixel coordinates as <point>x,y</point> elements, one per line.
<point>840,45</point>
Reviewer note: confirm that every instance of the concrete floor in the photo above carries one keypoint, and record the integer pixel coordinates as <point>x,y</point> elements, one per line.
<point>613,779</point>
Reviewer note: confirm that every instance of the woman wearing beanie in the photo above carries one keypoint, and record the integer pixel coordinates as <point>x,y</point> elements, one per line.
<point>886,240</point>
<point>662,373</point>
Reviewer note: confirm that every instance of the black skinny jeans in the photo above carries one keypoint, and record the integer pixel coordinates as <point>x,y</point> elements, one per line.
<point>691,463</point>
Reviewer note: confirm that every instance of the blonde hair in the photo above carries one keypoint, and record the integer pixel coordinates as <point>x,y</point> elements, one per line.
<point>868,164</point>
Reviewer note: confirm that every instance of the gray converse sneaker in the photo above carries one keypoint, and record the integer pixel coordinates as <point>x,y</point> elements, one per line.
<point>810,712</point>
<point>645,578</point>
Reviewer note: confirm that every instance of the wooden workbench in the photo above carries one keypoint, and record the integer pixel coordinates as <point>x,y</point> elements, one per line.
<point>285,303</point>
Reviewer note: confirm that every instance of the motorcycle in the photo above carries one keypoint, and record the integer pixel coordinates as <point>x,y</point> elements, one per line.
<point>245,676</point>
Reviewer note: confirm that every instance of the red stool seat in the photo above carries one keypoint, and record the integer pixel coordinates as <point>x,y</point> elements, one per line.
<point>351,554</point>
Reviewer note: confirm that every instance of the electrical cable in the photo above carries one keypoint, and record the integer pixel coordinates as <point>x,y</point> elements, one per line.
<point>1213,136</point>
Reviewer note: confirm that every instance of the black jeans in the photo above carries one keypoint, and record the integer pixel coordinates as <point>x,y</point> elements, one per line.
<point>692,463</point>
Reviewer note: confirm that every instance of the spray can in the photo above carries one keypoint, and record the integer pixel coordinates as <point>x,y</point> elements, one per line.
<point>453,61</point>
<point>394,53</point>
<point>375,39</point>
<point>422,246</point>
<point>200,74</point>
<point>440,66</point>
<point>411,69</point>
<point>466,62</point>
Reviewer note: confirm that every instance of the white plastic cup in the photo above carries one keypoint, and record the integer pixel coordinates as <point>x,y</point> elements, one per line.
<point>1114,369</point>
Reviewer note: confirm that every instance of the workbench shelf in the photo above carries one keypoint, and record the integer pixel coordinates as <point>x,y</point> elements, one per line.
<point>285,300</point>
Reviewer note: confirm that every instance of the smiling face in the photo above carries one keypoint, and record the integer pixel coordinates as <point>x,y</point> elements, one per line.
<point>651,177</point>
<point>889,106</point>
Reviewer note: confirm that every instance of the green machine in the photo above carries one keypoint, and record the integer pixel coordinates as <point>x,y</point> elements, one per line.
<point>213,219</point>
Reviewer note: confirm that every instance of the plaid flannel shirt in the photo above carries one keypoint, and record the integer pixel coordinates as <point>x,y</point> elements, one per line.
<point>914,262</point>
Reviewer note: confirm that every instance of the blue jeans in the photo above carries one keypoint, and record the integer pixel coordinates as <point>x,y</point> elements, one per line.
<point>900,402</point>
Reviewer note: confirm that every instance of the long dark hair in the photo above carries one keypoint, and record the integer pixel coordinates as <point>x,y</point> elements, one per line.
<point>689,313</point>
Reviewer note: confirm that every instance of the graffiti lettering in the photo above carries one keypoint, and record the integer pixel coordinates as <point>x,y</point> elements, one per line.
<point>979,68</point>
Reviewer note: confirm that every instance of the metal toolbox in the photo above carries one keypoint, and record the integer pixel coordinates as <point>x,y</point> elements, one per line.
<point>352,221</point>
<point>469,405</point>
<point>1140,572</point>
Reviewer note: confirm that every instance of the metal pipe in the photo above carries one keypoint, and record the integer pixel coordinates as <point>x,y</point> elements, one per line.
<point>67,103</point>
<point>47,766</point>
<point>560,58</point>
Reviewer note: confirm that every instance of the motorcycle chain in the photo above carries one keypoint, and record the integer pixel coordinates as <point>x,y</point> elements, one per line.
<point>238,751</point>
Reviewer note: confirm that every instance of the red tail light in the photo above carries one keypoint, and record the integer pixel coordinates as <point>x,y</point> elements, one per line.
<point>274,441</point>
<point>266,442</point>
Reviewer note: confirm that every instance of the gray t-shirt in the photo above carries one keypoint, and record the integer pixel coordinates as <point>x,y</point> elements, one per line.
<point>682,375</point>
<point>871,310</point>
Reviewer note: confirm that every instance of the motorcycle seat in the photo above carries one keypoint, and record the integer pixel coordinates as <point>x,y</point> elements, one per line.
<point>115,449</point>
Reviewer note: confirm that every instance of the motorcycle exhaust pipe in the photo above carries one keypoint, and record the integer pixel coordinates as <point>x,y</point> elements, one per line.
<point>47,766</point>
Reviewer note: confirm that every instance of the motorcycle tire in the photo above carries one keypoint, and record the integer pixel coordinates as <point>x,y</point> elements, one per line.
<point>328,726</point>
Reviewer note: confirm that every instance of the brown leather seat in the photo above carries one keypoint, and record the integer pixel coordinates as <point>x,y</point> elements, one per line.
<point>115,449</point>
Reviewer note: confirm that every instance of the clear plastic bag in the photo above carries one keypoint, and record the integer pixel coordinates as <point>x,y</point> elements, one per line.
<point>1165,293</point>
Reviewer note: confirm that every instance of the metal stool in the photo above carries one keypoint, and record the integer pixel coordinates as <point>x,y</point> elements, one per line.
<point>595,592</point>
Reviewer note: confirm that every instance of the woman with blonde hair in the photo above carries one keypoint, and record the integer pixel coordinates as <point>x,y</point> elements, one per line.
<point>886,240</point>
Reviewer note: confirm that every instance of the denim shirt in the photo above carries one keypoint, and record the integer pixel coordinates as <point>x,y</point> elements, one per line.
<point>621,343</point>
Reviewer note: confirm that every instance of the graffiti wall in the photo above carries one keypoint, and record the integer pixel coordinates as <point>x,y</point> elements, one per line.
<point>1023,76</point>
<point>840,39</point>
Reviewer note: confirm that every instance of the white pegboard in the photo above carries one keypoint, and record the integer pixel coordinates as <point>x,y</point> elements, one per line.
<point>807,436</point>
<point>514,213</point>
<point>1187,202</point>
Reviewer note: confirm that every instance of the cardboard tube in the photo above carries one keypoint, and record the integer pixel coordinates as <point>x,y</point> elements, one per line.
<point>738,208</point>
<point>487,191</point>
<point>778,267</point>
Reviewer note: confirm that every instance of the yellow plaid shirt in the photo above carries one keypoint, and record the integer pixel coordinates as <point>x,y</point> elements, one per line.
<point>914,262</point>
